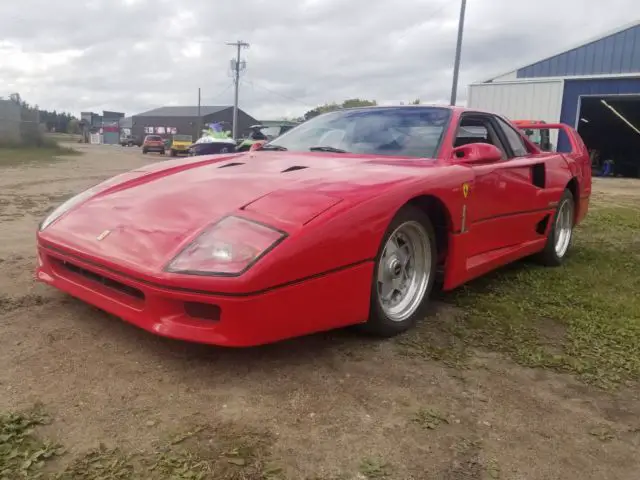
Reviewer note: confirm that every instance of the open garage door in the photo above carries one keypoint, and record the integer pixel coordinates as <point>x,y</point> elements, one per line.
<point>610,127</point>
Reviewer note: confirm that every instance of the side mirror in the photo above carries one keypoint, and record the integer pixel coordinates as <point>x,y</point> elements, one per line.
<point>257,145</point>
<point>477,153</point>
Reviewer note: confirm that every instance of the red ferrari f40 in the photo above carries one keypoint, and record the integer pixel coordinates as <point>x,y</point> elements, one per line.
<point>348,218</point>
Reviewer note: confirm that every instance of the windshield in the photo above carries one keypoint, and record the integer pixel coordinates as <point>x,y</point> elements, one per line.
<point>389,131</point>
<point>154,138</point>
<point>182,138</point>
<point>270,132</point>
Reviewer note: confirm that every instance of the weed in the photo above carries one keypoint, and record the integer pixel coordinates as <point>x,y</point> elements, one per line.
<point>375,468</point>
<point>429,419</point>
<point>22,454</point>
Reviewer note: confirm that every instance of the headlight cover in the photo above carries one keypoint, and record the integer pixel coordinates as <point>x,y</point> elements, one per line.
<point>66,206</point>
<point>227,248</point>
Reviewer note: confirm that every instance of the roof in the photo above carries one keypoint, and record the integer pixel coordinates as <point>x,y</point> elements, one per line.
<point>277,123</point>
<point>126,122</point>
<point>583,43</point>
<point>183,111</point>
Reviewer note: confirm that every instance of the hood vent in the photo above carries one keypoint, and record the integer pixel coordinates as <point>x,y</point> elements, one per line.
<point>294,168</point>
<point>233,164</point>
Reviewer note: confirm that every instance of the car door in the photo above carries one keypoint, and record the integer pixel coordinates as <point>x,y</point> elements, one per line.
<point>484,202</point>
<point>522,199</point>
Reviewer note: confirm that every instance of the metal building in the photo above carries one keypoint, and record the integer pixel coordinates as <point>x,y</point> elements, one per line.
<point>594,87</point>
<point>167,121</point>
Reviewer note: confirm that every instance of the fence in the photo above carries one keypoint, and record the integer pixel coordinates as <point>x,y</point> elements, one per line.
<point>19,125</point>
<point>10,122</point>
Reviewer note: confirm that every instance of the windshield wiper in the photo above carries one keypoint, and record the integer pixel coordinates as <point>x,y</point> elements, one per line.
<point>271,146</point>
<point>327,149</point>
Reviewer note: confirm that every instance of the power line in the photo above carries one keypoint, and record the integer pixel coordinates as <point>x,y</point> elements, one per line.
<point>432,14</point>
<point>221,92</point>
<point>286,97</point>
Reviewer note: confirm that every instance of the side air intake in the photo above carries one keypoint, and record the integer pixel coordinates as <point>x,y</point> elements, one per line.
<point>539,175</point>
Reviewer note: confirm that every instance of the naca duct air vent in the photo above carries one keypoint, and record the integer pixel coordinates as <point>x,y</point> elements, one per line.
<point>232,164</point>
<point>294,168</point>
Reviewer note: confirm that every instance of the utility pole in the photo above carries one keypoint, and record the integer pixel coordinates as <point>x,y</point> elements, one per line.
<point>199,124</point>
<point>456,64</point>
<point>236,67</point>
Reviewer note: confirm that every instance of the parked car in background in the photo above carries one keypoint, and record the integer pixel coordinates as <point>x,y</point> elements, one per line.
<point>179,144</point>
<point>130,141</point>
<point>153,143</point>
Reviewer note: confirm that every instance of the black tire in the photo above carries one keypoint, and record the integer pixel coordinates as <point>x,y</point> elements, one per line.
<point>379,323</point>
<point>550,256</point>
<point>161,152</point>
<point>173,152</point>
<point>144,150</point>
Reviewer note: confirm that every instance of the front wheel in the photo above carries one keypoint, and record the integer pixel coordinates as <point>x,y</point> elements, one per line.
<point>404,274</point>
<point>560,233</point>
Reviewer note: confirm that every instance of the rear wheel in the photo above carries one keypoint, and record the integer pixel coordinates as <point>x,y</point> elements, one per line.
<point>560,233</point>
<point>404,274</point>
<point>144,150</point>
<point>173,152</point>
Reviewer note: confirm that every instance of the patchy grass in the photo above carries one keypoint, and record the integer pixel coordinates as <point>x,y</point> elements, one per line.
<point>429,419</point>
<point>375,468</point>
<point>224,452</point>
<point>22,454</point>
<point>583,317</point>
<point>18,156</point>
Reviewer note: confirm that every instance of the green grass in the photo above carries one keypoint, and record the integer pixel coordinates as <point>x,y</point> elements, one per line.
<point>16,156</point>
<point>223,452</point>
<point>582,318</point>
<point>375,468</point>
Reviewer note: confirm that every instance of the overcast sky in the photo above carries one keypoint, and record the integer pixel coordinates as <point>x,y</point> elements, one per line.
<point>134,55</point>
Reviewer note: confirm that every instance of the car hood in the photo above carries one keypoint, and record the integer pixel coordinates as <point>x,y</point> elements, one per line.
<point>151,213</point>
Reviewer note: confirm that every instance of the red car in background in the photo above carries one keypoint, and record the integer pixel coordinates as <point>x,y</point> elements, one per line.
<point>346,219</point>
<point>153,143</point>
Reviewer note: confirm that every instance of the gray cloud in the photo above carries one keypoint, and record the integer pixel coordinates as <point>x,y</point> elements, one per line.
<point>132,55</point>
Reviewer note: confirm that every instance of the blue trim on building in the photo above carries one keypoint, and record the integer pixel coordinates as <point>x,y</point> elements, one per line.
<point>617,53</point>
<point>574,89</point>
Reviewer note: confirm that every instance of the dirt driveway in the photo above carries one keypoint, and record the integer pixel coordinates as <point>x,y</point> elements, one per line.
<point>329,406</point>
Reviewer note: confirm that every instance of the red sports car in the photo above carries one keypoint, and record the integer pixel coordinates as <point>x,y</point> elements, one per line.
<point>346,219</point>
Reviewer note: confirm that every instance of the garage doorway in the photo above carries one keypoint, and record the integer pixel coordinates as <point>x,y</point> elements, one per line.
<point>610,127</point>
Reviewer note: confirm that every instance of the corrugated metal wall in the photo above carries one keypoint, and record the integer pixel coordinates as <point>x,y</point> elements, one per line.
<point>574,89</point>
<point>538,100</point>
<point>615,54</point>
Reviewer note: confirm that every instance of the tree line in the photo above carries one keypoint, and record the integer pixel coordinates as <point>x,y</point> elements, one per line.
<point>52,121</point>
<point>350,103</point>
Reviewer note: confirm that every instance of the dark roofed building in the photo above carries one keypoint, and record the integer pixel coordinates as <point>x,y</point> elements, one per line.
<point>184,120</point>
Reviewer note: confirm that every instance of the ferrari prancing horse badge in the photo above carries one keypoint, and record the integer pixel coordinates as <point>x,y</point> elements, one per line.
<point>465,190</point>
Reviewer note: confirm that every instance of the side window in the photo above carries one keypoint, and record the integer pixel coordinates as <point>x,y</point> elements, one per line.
<point>478,129</point>
<point>515,141</point>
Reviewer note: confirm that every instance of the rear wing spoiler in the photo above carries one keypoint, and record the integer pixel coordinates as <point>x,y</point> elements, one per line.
<point>567,138</point>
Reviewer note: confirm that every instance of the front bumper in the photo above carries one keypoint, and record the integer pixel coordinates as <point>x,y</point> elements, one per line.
<point>321,303</point>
